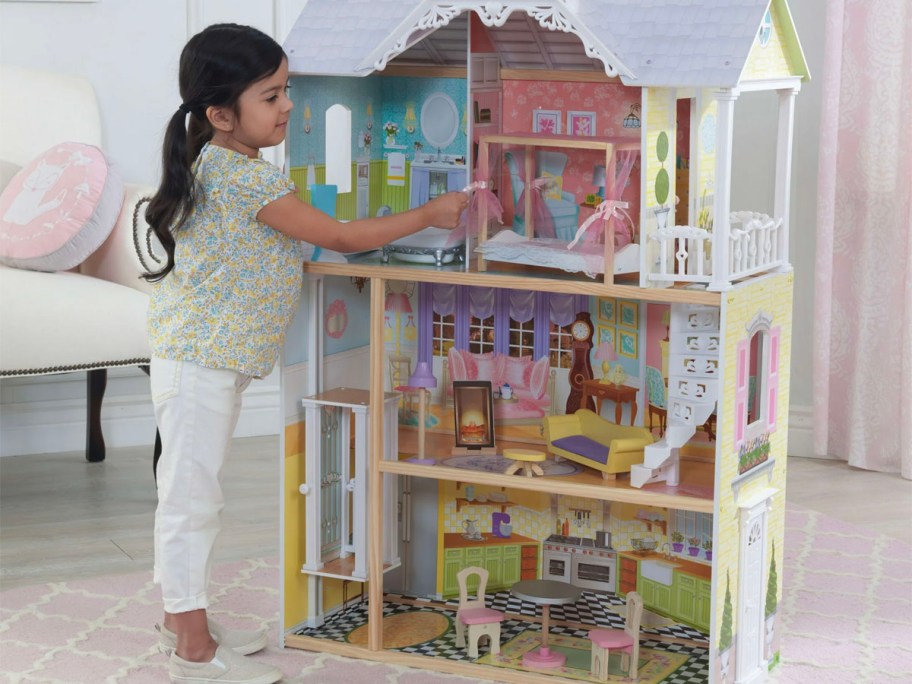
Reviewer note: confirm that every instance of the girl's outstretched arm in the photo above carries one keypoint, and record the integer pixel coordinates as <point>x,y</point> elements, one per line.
<point>300,220</point>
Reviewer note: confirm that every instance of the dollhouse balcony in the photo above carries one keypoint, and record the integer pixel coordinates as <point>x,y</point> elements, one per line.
<point>751,243</point>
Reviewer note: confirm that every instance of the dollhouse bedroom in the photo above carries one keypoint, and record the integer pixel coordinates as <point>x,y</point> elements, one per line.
<point>547,445</point>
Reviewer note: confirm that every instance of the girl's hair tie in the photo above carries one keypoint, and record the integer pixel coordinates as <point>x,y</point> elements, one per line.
<point>184,108</point>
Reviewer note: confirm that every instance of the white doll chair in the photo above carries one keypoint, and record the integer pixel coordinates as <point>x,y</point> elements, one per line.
<point>473,616</point>
<point>627,641</point>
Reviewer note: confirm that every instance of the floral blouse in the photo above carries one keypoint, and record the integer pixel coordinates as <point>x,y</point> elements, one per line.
<point>236,281</point>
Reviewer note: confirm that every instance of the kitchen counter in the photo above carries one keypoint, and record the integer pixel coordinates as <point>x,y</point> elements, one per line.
<point>698,570</point>
<point>455,540</point>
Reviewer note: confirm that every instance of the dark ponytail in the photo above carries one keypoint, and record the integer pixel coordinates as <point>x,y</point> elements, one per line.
<point>216,66</point>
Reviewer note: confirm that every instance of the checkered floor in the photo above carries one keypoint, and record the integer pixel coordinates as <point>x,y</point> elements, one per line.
<point>591,609</point>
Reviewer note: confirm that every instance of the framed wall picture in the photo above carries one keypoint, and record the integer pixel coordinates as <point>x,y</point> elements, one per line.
<point>473,402</point>
<point>546,121</point>
<point>629,314</point>
<point>607,333</point>
<point>627,343</point>
<point>607,310</point>
<point>581,123</point>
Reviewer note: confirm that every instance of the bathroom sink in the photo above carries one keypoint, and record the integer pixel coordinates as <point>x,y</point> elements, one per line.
<point>658,571</point>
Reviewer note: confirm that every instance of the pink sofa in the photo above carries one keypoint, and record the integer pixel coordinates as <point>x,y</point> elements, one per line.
<point>532,381</point>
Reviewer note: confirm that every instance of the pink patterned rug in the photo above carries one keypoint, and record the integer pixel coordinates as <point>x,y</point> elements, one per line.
<point>847,618</point>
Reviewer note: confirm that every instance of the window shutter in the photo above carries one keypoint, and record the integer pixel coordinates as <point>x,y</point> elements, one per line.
<point>772,379</point>
<point>741,382</point>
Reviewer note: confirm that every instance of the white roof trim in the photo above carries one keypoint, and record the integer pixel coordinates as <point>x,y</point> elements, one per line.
<point>430,15</point>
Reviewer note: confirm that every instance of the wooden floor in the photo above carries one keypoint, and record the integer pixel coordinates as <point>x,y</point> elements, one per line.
<point>62,518</point>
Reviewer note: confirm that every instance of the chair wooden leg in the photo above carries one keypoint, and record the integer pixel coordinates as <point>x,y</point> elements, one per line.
<point>96,382</point>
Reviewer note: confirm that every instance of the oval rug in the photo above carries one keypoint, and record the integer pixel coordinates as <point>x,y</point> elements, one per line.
<point>405,629</point>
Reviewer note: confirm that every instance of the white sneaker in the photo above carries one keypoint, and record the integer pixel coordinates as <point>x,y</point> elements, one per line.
<point>240,641</point>
<point>227,667</point>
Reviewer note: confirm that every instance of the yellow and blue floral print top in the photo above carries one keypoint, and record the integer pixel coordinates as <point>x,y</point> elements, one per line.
<point>236,281</point>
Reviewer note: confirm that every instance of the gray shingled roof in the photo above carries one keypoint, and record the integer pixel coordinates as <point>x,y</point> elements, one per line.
<point>679,43</point>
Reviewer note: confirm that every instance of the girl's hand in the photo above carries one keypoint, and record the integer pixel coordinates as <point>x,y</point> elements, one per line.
<point>446,210</point>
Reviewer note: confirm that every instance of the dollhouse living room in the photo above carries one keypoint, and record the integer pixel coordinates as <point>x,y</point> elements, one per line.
<point>566,441</point>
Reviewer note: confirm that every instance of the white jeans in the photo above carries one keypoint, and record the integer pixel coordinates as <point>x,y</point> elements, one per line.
<point>197,409</point>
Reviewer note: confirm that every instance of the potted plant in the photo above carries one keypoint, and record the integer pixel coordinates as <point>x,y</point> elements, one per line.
<point>725,633</point>
<point>694,548</point>
<point>772,603</point>
<point>708,549</point>
<point>677,542</point>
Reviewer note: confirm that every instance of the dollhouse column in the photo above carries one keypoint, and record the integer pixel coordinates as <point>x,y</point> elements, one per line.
<point>725,111</point>
<point>784,136</point>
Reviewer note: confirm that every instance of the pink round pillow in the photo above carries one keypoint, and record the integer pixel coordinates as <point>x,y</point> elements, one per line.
<point>59,208</point>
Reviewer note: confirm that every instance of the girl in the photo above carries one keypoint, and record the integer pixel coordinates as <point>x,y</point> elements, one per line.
<point>230,224</point>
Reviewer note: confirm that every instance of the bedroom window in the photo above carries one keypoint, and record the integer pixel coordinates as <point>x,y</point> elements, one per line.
<point>481,335</point>
<point>522,338</point>
<point>443,333</point>
<point>559,342</point>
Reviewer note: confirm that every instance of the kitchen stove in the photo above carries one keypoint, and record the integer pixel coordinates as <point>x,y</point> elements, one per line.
<point>580,562</point>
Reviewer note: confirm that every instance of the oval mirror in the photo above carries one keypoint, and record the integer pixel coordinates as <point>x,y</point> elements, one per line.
<point>439,120</point>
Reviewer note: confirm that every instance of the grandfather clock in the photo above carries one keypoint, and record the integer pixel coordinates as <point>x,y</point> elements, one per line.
<point>580,368</point>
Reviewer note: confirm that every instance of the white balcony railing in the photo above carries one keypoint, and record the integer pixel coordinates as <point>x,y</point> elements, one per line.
<point>685,252</point>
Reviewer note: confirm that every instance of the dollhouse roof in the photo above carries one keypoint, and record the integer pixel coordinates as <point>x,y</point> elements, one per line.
<point>671,43</point>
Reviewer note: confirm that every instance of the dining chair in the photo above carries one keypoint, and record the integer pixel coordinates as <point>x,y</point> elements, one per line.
<point>656,397</point>
<point>473,616</point>
<point>627,641</point>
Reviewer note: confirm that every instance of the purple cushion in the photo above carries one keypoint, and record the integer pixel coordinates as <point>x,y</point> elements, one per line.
<point>589,448</point>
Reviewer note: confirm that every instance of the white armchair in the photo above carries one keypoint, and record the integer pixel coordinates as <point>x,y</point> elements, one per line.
<point>93,317</point>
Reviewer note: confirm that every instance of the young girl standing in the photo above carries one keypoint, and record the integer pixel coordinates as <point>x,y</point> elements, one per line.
<point>231,227</point>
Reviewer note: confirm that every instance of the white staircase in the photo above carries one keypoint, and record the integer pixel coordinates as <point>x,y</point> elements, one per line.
<point>693,377</point>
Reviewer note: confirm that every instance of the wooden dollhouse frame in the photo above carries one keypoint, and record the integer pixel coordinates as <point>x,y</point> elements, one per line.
<point>726,277</point>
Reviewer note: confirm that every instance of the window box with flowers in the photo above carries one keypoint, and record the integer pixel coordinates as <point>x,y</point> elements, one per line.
<point>752,453</point>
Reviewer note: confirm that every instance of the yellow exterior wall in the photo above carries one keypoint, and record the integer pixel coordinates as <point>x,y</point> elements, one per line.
<point>771,295</point>
<point>706,156</point>
<point>295,599</point>
<point>772,60</point>
<point>659,115</point>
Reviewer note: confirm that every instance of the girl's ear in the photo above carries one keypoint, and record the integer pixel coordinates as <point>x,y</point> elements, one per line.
<point>221,118</point>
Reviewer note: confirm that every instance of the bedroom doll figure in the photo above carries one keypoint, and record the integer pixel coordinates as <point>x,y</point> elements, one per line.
<point>231,227</point>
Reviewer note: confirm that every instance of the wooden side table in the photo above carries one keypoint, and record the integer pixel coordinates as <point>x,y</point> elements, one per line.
<point>619,394</point>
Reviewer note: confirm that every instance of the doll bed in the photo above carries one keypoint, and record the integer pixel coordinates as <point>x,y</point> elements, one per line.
<point>585,257</point>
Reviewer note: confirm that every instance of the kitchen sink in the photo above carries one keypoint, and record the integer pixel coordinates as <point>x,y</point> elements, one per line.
<point>658,571</point>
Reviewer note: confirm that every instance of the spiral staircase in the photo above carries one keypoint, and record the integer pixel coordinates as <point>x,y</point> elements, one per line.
<point>693,377</point>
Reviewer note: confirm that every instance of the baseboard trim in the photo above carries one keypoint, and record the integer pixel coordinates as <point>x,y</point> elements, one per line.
<point>801,431</point>
<point>55,426</point>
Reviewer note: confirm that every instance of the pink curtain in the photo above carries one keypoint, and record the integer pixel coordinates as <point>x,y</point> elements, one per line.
<point>863,288</point>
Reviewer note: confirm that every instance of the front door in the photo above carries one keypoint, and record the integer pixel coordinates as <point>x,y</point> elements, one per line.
<point>751,666</point>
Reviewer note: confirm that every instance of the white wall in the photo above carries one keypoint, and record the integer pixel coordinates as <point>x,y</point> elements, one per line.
<point>129,50</point>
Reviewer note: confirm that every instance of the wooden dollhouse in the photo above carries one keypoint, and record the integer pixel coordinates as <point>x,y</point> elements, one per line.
<point>584,123</point>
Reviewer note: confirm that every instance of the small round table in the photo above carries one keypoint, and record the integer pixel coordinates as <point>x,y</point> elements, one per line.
<point>527,459</point>
<point>545,593</point>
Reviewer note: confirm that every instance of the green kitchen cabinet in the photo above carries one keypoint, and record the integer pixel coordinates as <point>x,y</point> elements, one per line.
<point>502,561</point>
<point>656,596</point>
<point>704,605</point>
<point>493,563</point>
<point>453,562</point>
<point>511,568</point>
<point>685,598</point>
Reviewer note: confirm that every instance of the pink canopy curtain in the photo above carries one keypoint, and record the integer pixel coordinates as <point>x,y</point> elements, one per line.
<point>863,288</point>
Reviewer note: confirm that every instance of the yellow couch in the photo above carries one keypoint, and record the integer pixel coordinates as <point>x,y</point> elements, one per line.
<point>595,442</point>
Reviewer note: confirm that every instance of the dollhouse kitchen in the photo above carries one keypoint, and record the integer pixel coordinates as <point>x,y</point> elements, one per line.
<point>548,445</point>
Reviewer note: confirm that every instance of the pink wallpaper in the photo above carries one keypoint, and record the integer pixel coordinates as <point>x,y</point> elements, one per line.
<point>611,103</point>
